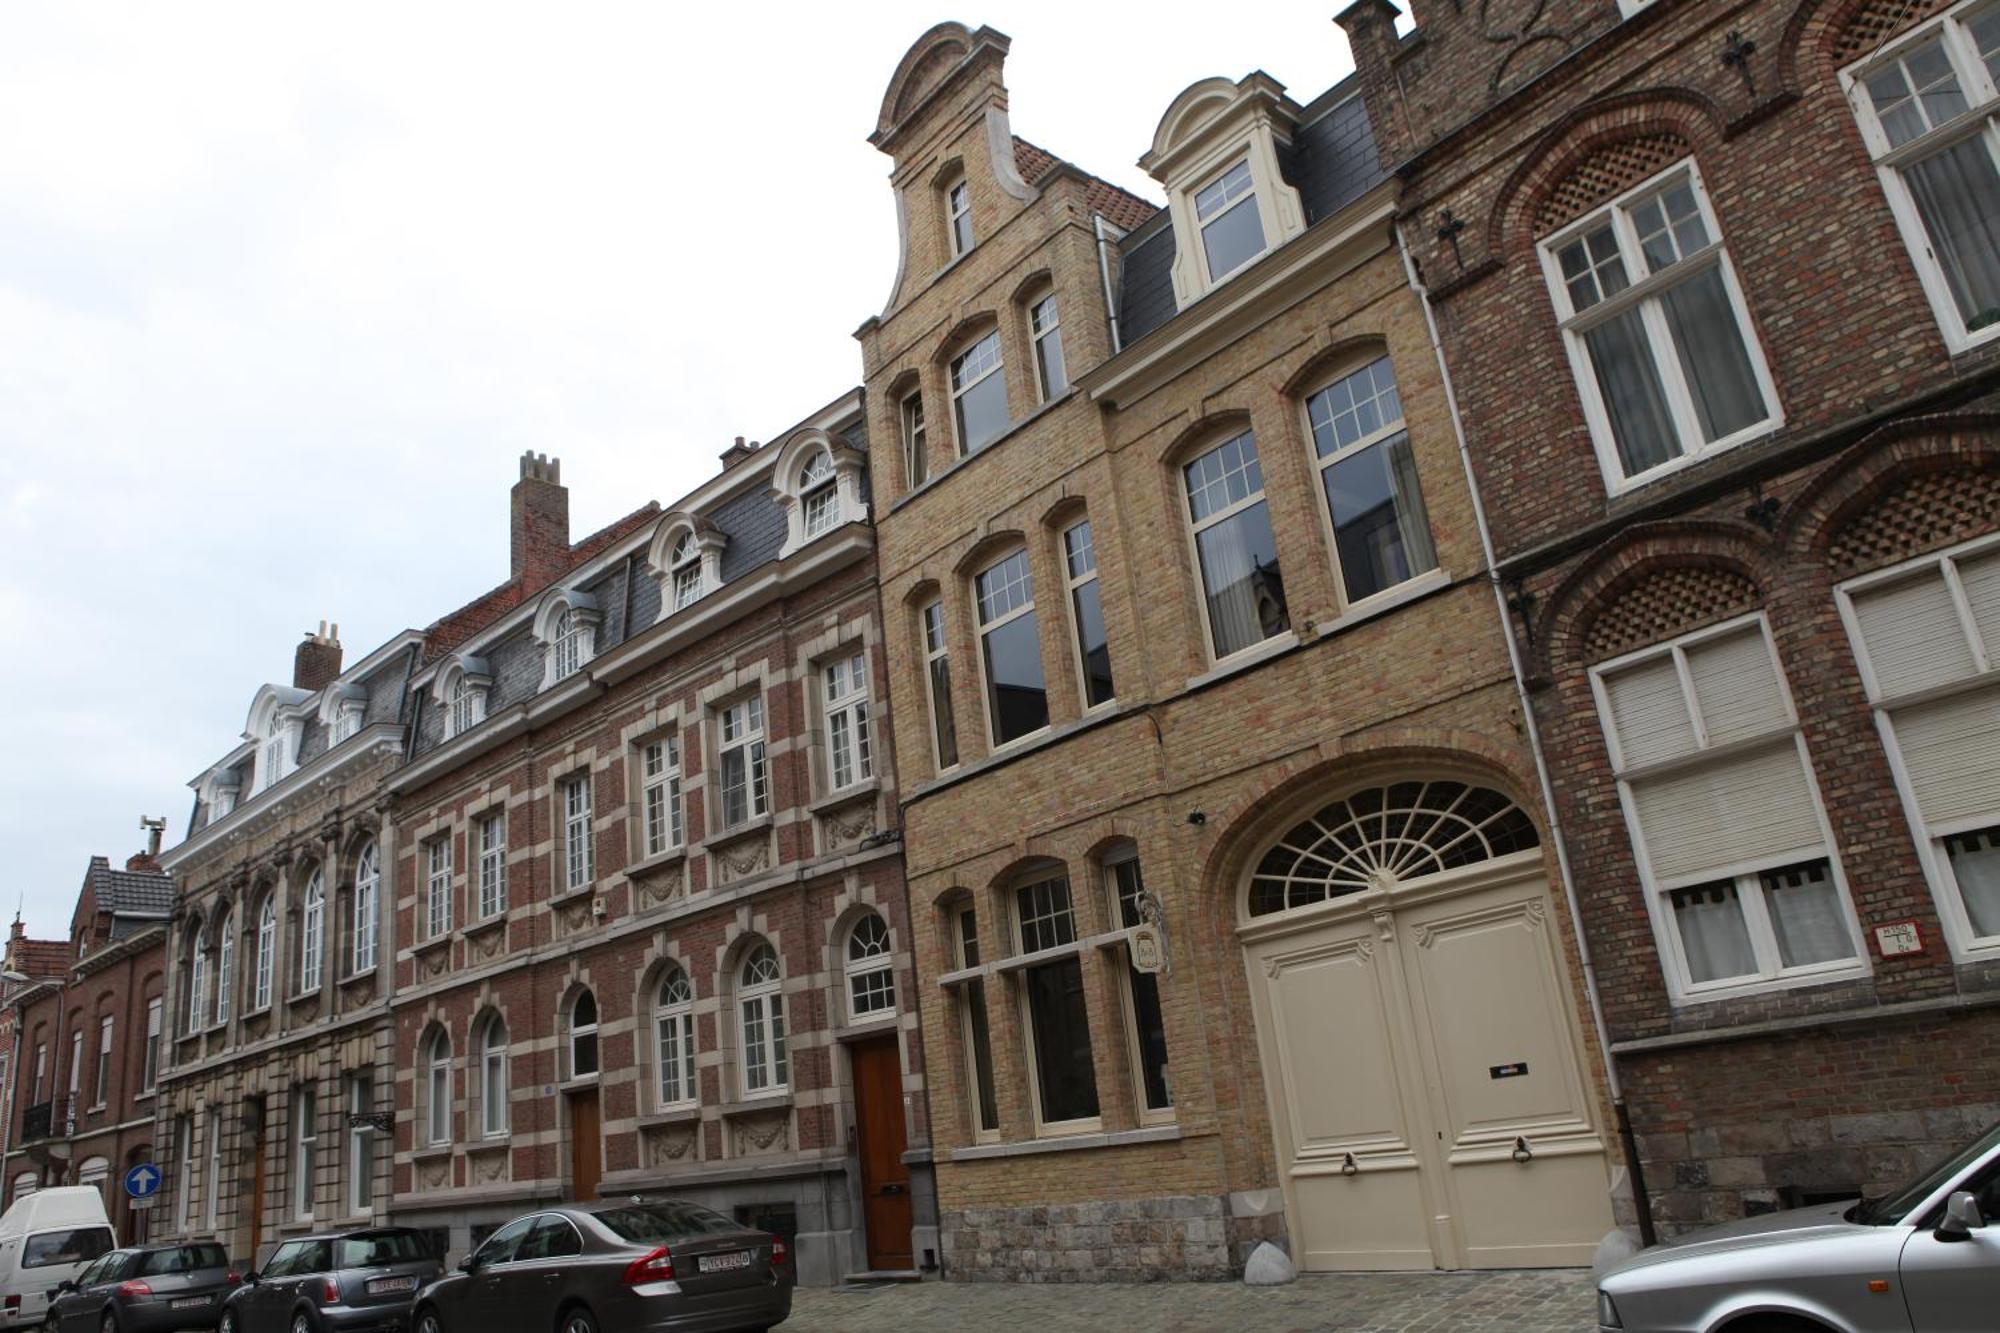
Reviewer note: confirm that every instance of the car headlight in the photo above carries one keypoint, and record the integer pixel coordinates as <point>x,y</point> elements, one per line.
<point>1607,1313</point>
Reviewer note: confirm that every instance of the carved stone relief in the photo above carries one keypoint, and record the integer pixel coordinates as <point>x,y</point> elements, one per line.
<point>763,1134</point>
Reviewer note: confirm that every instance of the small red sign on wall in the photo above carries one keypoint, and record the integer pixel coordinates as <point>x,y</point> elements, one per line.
<point>1898,938</point>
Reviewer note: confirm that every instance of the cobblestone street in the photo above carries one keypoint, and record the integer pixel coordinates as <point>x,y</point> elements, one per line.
<point>1533,1302</point>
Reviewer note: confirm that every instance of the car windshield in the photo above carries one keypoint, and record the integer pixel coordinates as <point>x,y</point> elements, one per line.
<point>182,1259</point>
<point>1898,1206</point>
<point>65,1247</point>
<point>655,1223</point>
<point>380,1247</point>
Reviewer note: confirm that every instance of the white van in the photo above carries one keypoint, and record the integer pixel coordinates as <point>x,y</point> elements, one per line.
<point>44,1239</point>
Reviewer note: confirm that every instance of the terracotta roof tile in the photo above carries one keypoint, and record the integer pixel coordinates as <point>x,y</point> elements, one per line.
<point>1121,208</point>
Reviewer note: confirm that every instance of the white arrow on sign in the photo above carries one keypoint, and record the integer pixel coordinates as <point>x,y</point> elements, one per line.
<point>142,1180</point>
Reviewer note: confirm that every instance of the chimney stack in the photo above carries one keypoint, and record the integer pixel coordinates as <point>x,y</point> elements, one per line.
<point>540,529</point>
<point>148,861</point>
<point>317,660</point>
<point>737,452</point>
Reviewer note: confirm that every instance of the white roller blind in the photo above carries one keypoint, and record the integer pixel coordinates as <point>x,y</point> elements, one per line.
<point>1736,686</point>
<point>1981,577</point>
<point>1913,635</point>
<point>1727,812</point>
<point>1650,712</point>
<point>1951,749</point>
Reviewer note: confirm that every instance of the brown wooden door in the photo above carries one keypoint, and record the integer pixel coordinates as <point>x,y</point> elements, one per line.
<point>885,1178</point>
<point>586,1150</point>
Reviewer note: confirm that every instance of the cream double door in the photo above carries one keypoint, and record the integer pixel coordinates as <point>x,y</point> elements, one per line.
<point>1426,1078</point>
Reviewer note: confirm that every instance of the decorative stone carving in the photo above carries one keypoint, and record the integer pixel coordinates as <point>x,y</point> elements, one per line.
<point>575,916</point>
<point>849,826</point>
<point>434,1173</point>
<point>763,1134</point>
<point>433,962</point>
<point>486,944</point>
<point>669,1145</point>
<point>744,861</point>
<point>490,1166</point>
<point>659,890</point>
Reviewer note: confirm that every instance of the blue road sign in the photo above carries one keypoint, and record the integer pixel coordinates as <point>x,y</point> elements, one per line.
<point>143,1181</point>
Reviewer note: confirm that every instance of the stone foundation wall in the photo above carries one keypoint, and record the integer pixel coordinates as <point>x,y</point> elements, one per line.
<point>1174,1238</point>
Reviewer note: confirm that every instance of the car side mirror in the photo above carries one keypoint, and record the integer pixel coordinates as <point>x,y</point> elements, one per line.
<point>1961,1217</point>
<point>65,1285</point>
<point>252,1278</point>
<point>469,1264</point>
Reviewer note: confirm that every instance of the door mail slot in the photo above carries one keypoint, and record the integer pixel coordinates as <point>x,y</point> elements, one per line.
<point>1515,1070</point>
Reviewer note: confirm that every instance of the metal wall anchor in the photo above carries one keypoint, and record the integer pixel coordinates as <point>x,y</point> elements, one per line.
<point>1348,1166</point>
<point>1522,1152</point>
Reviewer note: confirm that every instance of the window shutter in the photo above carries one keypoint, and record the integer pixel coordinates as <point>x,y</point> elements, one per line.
<point>1650,712</point>
<point>1725,813</point>
<point>1981,579</point>
<point>1736,686</point>
<point>1914,637</point>
<point>1951,749</point>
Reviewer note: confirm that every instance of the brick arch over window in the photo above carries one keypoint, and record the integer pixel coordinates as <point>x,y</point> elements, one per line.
<point>1923,489</point>
<point>1606,173</point>
<point>1657,581</point>
<point>1839,32</point>
<point>1664,604</point>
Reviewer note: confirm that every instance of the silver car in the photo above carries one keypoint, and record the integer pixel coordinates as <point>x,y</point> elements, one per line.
<point>155,1289</point>
<point>641,1267</point>
<point>1922,1260</point>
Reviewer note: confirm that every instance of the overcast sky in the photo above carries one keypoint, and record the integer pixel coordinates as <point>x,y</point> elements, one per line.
<point>285,292</point>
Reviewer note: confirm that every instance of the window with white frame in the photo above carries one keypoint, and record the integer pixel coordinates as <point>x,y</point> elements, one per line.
<point>437,886</point>
<point>266,961</point>
<point>819,495</point>
<point>583,1035</point>
<point>305,1150</point>
<point>1010,648</point>
<point>1045,331</point>
<point>1927,634</point>
<point>221,800</point>
<point>225,966</point>
<point>673,1037</point>
<point>958,215</point>
<point>977,1032</point>
<point>916,451</point>
<point>149,1073</point>
<point>1368,474</point>
<point>740,747</point>
<point>1145,1022</point>
<point>1232,231</point>
<point>579,847</point>
<point>1055,1017</point>
<point>492,834</point>
<point>197,987</point>
<point>979,394</point>
<point>493,1078</point>
<point>850,758</point>
<point>870,969</point>
<point>437,1088</point>
<point>367,906</point>
<point>41,1070</point>
<point>1733,847</point>
<point>468,705</point>
<point>346,720</point>
<point>1929,108</point>
<point>274,758</point>
<point>937,682</point>
<point>105,1028</point>
<point>1243,588</point>
<point>760,1007</point>
<point>1658,333</point>
<point>685,567</point>
<point>360,1145</point>
<point>312,932</point>
<point>212,1194</point>
<point>1087,614</point>
<point>569,645</point>
<point>660,794</point>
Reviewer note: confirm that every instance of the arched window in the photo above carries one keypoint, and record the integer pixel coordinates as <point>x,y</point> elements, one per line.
<point>1368,473</point>
<point>761,1008</point>
<point>267,949</point>
<point>871,971</point>
<point>583,1035</point>
<point>979,395</point>
<point>819,496</point>
<point>94,1172</point>
<point>25,1184</point>
<point>1010,649</point>
<point>493,1078</point>
<point>1379,836</point>
<point>274,759</point>
<point>367,905</point>
<point>312,931</point>
<point>1243,590</point>
<point>197,984</point>
<point>686,567</point>
<point>225,966</point>
<point>466,705</point>
<point>437,1088</point>
<point>566,643</point>
<point>673,1027</point>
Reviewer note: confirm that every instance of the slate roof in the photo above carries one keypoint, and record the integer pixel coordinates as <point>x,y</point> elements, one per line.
<point>1121,208</point>
<point>126,891</point>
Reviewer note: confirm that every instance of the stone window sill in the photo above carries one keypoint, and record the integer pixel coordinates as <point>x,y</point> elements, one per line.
<point>743,832</point>
<point>478,928</point>
<point>353,977</point>
<point>431,1152</point>
<point>674,1115</point>
<point>1069,1143</point>
<point>435,942</point>
<point>658,861</point>
<point>860,791</point>
<point>303,996</point>
<point>568,896</point>
<point>778,1101</point>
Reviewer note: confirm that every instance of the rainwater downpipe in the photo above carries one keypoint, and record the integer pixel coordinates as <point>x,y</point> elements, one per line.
<point>1098,226</point>
<point>1640,1200</point>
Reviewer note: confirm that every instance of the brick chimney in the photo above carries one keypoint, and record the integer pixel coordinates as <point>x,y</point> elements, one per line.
<point>540,530</point>
<point>737,452</point>
<point>317,660</point>
<point>148,861</point>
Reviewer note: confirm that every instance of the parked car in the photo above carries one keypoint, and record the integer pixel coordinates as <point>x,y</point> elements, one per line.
<point>1922,1260</point>
<point>355,1282</point>
<point>659,1264</point>
<point>47,1238</point>
<point>153,1289</point>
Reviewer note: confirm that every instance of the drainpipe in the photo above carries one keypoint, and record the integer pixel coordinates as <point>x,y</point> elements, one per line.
<point>1097,225</point>
<point>1626,1139</point>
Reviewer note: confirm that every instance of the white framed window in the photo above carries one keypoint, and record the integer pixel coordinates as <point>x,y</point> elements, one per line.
<point>212,1193</point>
<point>760,1006</point>
<point>975,1028</point>
<point>870,967</point>
<point>1243,586</point>
<point>673,1036</point>
<point>105,1027</point>
<point>221,801</point>
<point>274,757</point>
<point>1045,331</point>
<point>916,450</point>
<point>1718,790</point>
<point>468,705</point>
<point>346,722</point>
<point>197,1008</point>
<point>1086,609</point>
<point>819,495</point>
<point>685,567</point>
<point>1930,114</point>
<point>149,1074</point>
<point>979,394</point>
<point>1145,1021</point>
<point>1368,477</point>
<point>360,1146</point>
<point>367,906</point>
<point>493,1079</point>
<point>41,1071</point>
<point>312,932</point>
<point>225,966</point>
<point>569,645</point>
<point>958,216</point>
<point>741,749</point>
<point>850,759</point>
<point>937,685</point>
<point>305,1150</point>
<point>1055,1019</point>
<point>1232,230</point>
<point>437,1089</point>
<point>583,1035</point>
<point>437,886</point>
<point>265,964</point>
<point>1658,334</point>
<point>660,794</point>
<point>1010,650</point>
<point>579,847</point>
<point>492,833</point>
<point>1926,633</point>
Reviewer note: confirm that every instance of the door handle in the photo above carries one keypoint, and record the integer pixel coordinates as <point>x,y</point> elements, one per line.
<point>894,1189</point>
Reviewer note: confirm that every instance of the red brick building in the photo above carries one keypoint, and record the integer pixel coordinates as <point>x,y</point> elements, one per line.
<point>1717,294</point>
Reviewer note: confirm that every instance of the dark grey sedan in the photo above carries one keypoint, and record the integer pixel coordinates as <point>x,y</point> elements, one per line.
<point>358,1282</point>
<point>154,1289</point>
<point>648,1266</point>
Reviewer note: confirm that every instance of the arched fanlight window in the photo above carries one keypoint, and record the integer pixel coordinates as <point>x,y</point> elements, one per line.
<point>465,705</point>
<point>225,966</point>
<point>493,1078</point>
<point>819,498</point>
<point>871,974</point>
<point>367,905</point>
<point>266,955</point>
<point>566,643</point>
<point>673,1027</point>
<point>437,1088</point>
<point>275,759</point>
<point>686,566</point>
<point>761,1010</point>
<point>1380,836</point>
<point>312,931</point>
<point>583,1035</point>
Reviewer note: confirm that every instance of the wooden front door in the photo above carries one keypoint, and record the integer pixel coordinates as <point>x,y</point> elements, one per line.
<point>586,1149</point>
<point>882,1140</point>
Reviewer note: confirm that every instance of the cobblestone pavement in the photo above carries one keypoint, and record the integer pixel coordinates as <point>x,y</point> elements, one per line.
<point>1544,1301</point>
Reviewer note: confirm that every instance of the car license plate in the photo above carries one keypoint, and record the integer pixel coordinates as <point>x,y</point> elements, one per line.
<point>722,1263</point>
<point>382,1286</point>
<point>189,1302</point>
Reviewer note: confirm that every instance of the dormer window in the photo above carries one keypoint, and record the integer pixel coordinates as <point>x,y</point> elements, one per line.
<point>687,571</point>
<point>568,645</point>
<point>685,555</point>
<point>979,394</point>
<point>346,722</point>
<point>1232,232</point>
<point>958,216</point>
<point>819,498</point>
<point>221,800</point>
<point>466,706</point>
<point>818,486</point>
<point>274,757</point>
<point>462,690</point>
<point>567,627</point>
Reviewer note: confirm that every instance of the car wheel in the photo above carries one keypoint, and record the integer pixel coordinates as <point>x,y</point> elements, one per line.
<point>427,1321</point>
<point>108,1324</point>
<point>301,1323</point>
<point>228,1324</point>
<point>578,1319</point>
